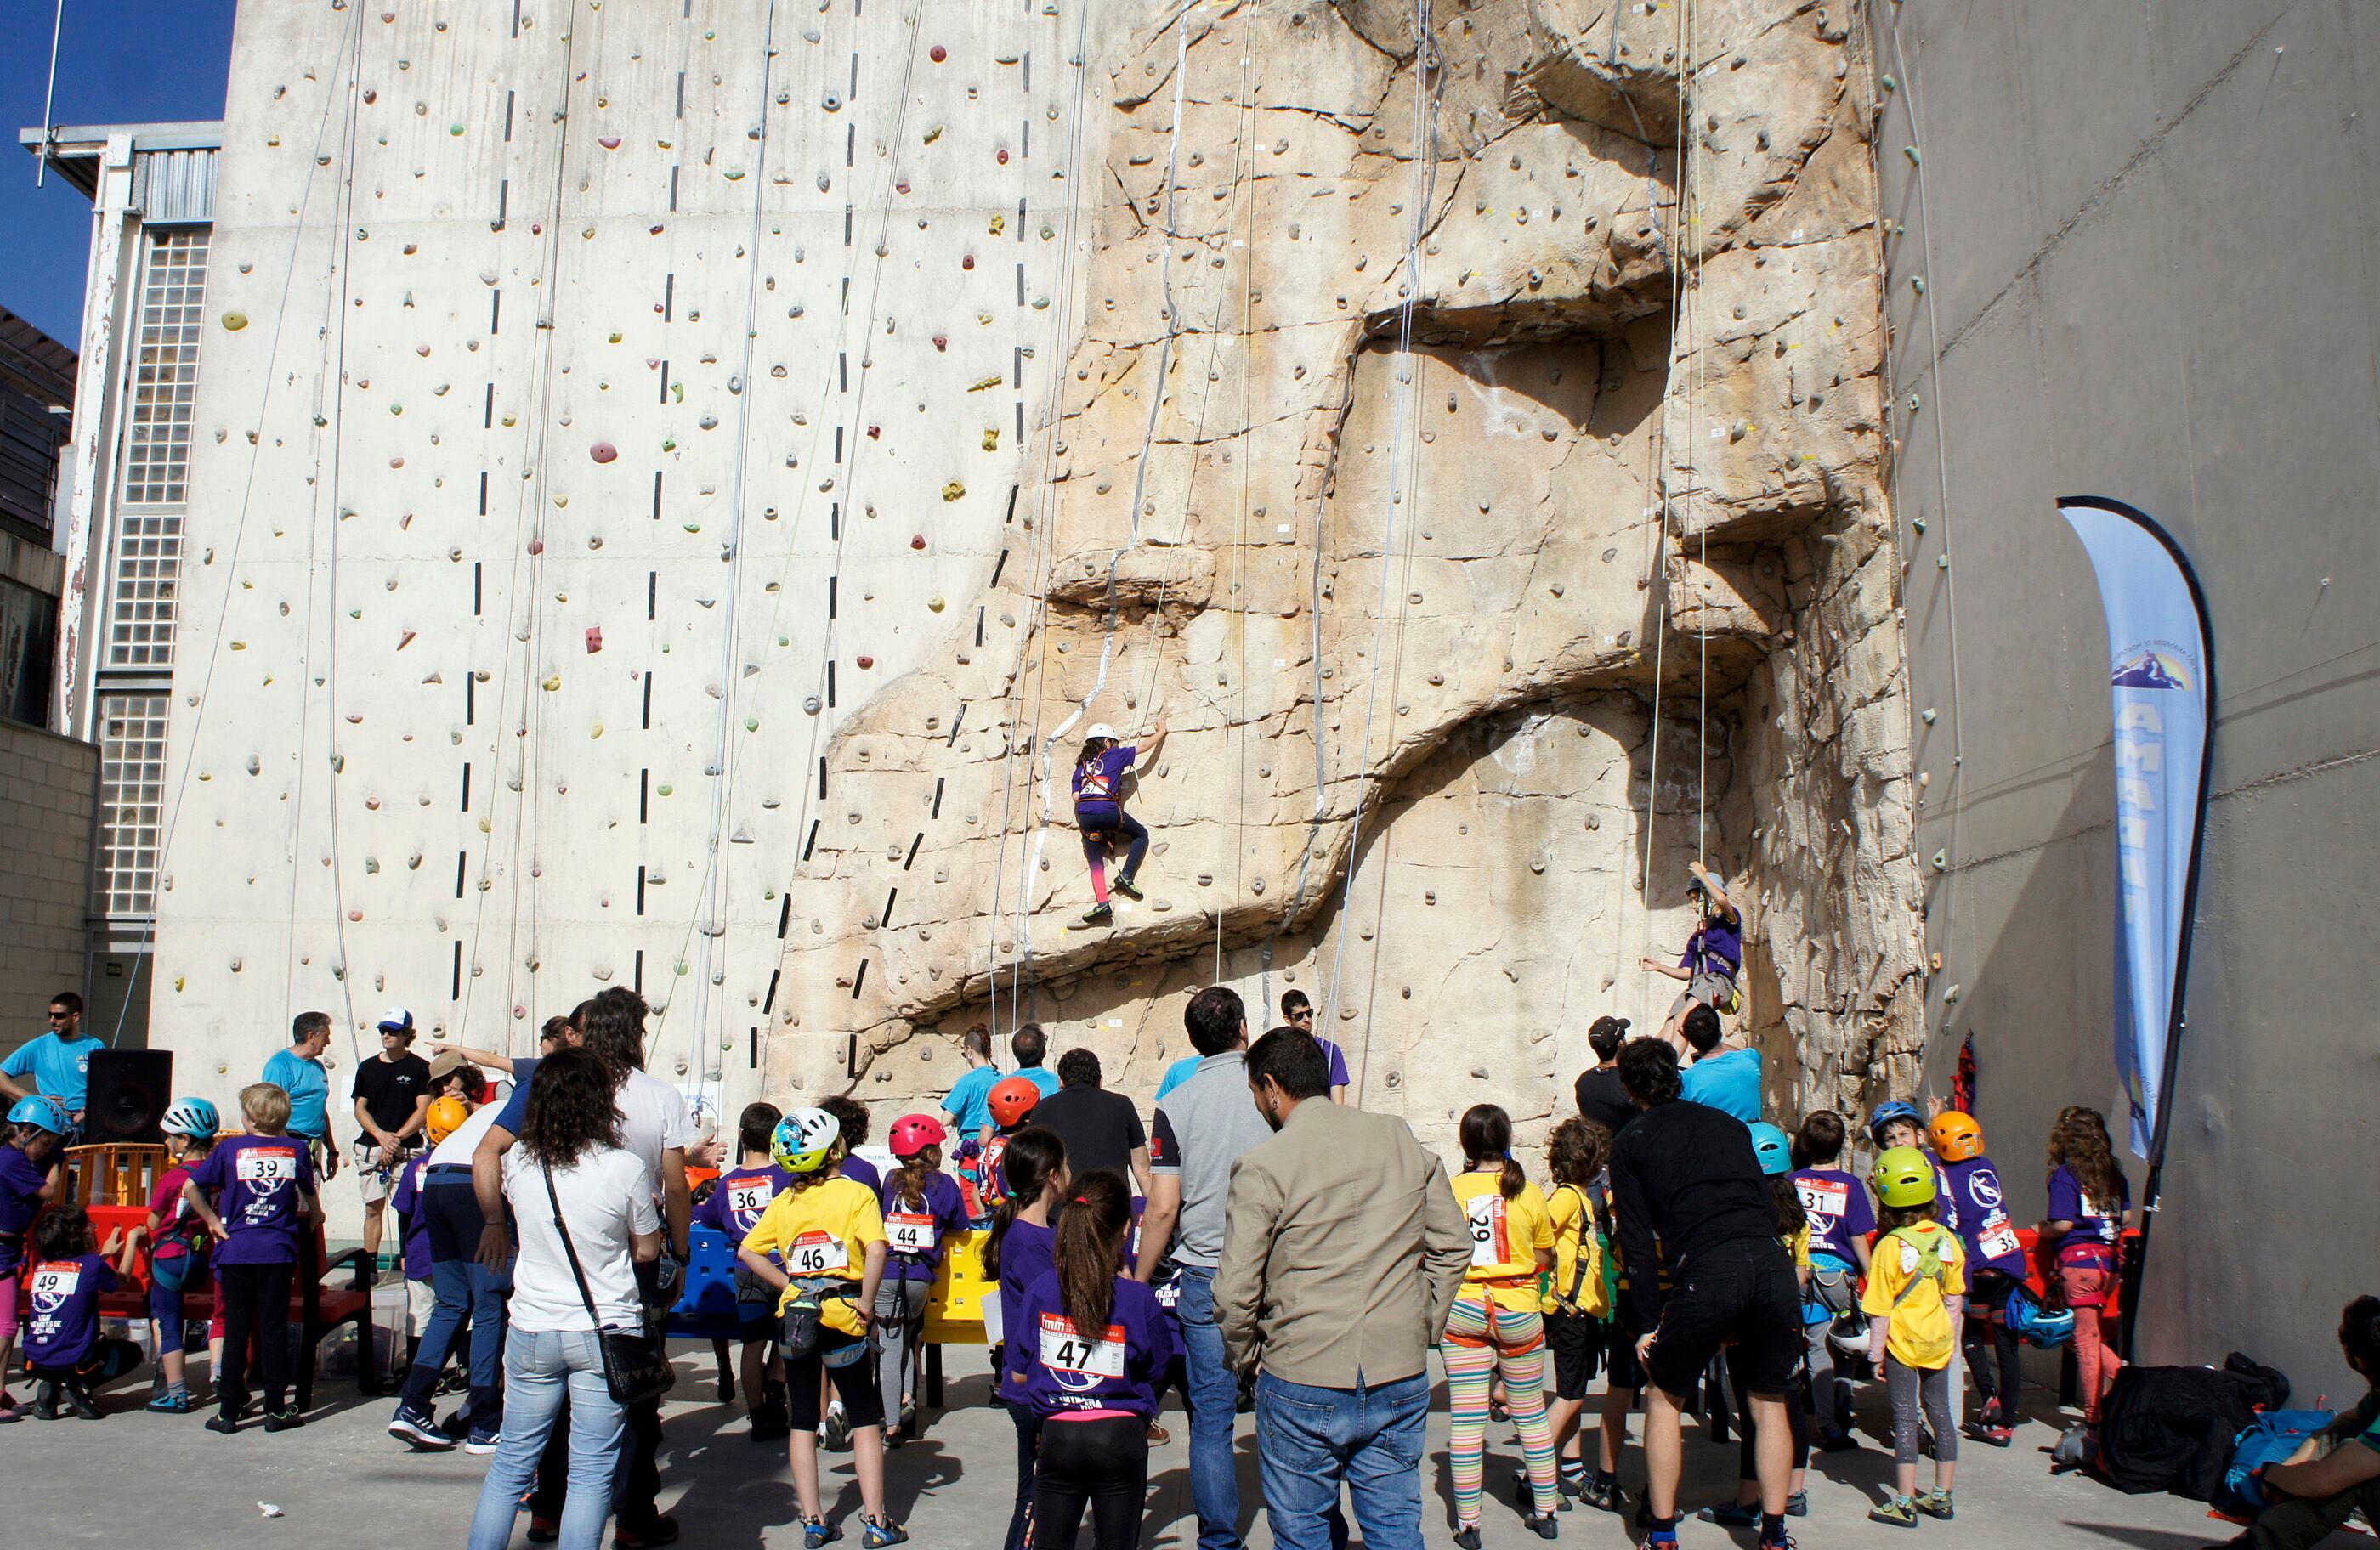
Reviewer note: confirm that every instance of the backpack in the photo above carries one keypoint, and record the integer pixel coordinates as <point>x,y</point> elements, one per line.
<point>1594,1288</point>
<point>2269,1440</point>
<point>1929,1258</point>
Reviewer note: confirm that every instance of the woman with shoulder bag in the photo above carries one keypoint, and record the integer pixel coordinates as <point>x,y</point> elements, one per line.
<point>585,1212</point>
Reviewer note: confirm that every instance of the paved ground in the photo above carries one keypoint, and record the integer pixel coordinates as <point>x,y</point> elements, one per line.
<point>343,1479</point>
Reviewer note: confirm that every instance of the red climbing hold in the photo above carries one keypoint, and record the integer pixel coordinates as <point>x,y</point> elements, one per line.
<point>609,142</point>
<point>875,432</point>
<point>602,452</point>
<point>1004,155</point>
<point>968,262</point>
<point>537,545</point>
<point>917,541</point>
<point>941,341</point>
<point>938,54</point>
<point>865,662</point>
<point>902,187</point>
<point>594,638</point>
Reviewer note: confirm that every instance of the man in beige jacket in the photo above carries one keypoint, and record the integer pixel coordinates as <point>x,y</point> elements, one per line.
<point>1343,1251</point>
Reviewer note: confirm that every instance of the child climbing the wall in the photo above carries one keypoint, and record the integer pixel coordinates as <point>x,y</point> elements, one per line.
<point>1915,1285</point>
<point>1714,954</point>
<point>1099,811</point>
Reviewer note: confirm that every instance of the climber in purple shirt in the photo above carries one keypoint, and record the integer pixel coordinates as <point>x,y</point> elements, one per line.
<point>1099,770</point>
<point>1714,954</point>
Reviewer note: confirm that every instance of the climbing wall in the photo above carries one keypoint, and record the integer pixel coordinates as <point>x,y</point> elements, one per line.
<point>677,480</point>
<point>599,402</point>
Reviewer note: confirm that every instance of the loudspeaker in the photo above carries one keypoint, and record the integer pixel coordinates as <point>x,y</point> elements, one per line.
<point>129,1092</point>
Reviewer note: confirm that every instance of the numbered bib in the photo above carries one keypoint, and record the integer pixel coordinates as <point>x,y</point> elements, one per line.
<point>266,1170</point>
<point>1999,1240</point>
<point>910,1234</point>
<point>1489,1242</point>
<point>1826,1200</point>
<point>1064,1350</point>
<point>53,1284</point>
<point>816,1253</point>
<point>745,1201</point>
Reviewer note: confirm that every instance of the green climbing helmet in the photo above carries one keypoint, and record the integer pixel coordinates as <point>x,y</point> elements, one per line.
<point>1904,1176</point>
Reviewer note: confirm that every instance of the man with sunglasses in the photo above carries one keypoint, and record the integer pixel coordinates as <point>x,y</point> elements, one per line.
<point>1297,1013</point>
<point>58,1062</point>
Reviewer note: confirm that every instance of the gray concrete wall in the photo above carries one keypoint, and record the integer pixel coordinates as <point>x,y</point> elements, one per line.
<point>49,788</point>
<point>2146,236</point>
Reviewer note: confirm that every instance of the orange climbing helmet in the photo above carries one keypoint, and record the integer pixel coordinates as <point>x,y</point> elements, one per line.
<point>1012,1098</point>
<point>1957,1137</point>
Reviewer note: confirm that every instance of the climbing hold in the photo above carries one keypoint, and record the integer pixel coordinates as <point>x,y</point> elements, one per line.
<point>917,540</point>
<point>406,640</point>
<point>865,662</point>
<point>752,723</point>
<point>991,439</point>
<point>537,545</point>
<point>1926,715</point>
<point>935,604</point>
<point>552,682</point>
<point>811,705</point>
<point>234,321</point>
<point>953,490</point>
<point>602,452</point>
<point>609,142</point>
<point>594,638</point>
<point>665,789</point>
<point>938,54</point>
<point>1941,860</point>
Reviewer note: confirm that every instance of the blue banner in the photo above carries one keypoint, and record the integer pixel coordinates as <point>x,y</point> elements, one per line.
<point>2161,684</point>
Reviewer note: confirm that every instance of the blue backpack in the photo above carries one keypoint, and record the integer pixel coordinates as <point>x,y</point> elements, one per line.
<point>2275,1435</point>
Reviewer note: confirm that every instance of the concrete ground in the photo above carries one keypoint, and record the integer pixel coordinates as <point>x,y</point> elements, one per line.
<point>343,1479</point>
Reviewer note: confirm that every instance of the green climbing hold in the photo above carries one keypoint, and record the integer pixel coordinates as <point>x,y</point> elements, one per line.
<point>234,322</point>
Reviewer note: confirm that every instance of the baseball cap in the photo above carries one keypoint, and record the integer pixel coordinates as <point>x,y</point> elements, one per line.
<point>445,1065</point>
<point>395,1017</point>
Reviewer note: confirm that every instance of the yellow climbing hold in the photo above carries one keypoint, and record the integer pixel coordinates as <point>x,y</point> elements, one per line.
<point>234,321</point>
<point>553,683</point>
<point>935,604</point>
<point>595,730</point>
<point>953,490</point>
<point>991,439</point>
<point>990,382</point>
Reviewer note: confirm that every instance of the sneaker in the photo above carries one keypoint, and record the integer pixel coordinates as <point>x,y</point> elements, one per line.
<point>1126,887</point>
<point>483,1443</point>
<point>1098,915</point>
<point>543,1531</point>
<point>419,1431</point>
<point>1901,1512</point>
<point>1542,1524</point>
<point>1735,1515</point>
<point>223,1424</point>
<point>1935,1503</point>
<point>877,1533</point>
<point>1468,1539</point>
<point>1158,1435</point>
<point>173,1401</point>
<point>285,1420</point>
<point>1798,1505</point>
<point>80,1403</point>
<point>817,1532</point>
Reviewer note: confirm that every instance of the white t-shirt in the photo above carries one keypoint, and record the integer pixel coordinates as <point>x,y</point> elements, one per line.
<point>606,1195</point>
<point>458,1147</point>
<point>654,1117</point>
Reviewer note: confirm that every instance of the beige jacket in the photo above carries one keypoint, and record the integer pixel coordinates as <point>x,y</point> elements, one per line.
<point>1342,1250</point>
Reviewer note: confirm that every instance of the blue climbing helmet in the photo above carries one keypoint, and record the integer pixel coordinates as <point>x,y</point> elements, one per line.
<point>43,1112</point>
<point>194,1118</point>
<point>2029,1321</point>
<point>1773,1147</point>
<point>1886,1113</point>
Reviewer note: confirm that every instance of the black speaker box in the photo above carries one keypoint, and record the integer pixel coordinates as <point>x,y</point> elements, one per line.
<point>129,1092</point>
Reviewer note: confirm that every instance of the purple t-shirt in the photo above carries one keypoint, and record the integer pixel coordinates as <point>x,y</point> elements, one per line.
<point>1838,1209</point>
<point>1026,1253</point>
<point>20,1201</point>
<point>407,1201</point>
<point>1065,1369</point>
<point>66,1308</point>
<point>1983,1222</point>
<point>859,1171</point>
<point>944,1213</point>
<point>258,1183</point>
<point>739,1197</point>
<point>1716,947</point>
<point>1099,784</point>
<point>2096,1221</point>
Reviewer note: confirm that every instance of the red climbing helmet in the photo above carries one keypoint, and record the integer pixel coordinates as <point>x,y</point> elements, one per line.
<point>912,1133</point>
<point>1011,1099</point>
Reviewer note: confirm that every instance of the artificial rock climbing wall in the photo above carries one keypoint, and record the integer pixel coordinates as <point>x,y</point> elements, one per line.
<point>675,480</point>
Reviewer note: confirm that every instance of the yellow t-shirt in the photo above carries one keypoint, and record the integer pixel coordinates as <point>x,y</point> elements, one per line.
<point>1578,1255</point>
<point>1505,1237</point>
<point>1799,1244</point>
<point>821,1231</point>
<point>1921,1333</point>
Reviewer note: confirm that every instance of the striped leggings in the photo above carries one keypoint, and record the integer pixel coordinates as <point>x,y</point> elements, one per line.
<point>1483,1339</point>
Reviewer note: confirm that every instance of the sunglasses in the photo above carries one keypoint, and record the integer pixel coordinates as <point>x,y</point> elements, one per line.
<point>62,1017</point>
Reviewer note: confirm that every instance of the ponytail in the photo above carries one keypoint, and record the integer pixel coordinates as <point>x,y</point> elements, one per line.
<point>909,1179</point>
<point>1090,1241</point>
<point>1487,1134</point>
<point>1030,1160</point>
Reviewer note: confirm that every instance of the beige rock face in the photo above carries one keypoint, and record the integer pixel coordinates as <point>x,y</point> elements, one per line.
<point>1477,467</point>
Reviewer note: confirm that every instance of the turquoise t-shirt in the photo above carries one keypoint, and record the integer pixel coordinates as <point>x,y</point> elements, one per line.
<point>1177,1073</point>
<point>969,1103</point>
<point>309,1087</point>
<point>1041,1077</point>
<point>1728,1082</point>
<point>61,1067</point>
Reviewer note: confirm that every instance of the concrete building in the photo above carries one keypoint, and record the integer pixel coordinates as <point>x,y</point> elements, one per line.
<point>2144,240</point>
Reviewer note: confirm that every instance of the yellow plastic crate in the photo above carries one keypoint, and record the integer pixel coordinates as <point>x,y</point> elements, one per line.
<point>954,1311</point>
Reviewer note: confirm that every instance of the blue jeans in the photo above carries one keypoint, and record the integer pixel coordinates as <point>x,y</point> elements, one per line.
<point>1214,1401</point>
<point>1310,1440</point>
<point>466,1289</point>
<point>542,1368</point>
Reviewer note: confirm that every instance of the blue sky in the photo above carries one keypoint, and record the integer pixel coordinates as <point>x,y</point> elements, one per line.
<point>119,62</point>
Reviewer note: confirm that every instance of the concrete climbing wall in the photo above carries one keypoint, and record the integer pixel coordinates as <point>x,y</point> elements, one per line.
<point>676,479</point>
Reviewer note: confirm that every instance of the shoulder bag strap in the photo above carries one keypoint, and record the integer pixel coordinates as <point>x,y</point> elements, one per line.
<point>570,1248</point>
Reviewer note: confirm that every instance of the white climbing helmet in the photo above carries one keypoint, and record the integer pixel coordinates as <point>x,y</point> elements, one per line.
<point>802,1139</point>
<point>1101,729</point>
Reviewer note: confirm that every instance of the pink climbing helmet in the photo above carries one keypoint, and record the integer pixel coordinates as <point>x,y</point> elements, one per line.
<point>912,1133</point>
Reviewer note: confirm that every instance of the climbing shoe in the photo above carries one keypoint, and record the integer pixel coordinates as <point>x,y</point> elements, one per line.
<point>1468,1539</point>
<point>878,1532</point>
<point>173,1401</point>
<point>1602,1492</point>
<point>80,1403</point>
<point>1935,1504</point>
<point>1735,1515</point>
<point>818,1532</point>
<point>286,1419</point>
<point>1128,888</point>
<point>1901,1512</point>
<point>838,1431</point>
<point>1542,1524</point>
<point>223,1424</point>
<point>1836,1442</point>
<point>1098,915</point>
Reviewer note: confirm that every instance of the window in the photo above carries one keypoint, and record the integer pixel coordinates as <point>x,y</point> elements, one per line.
<point>157,451</point>
<point>131,799</point>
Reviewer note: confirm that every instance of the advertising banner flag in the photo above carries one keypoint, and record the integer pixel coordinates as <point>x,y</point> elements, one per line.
<point>2161,680</point>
